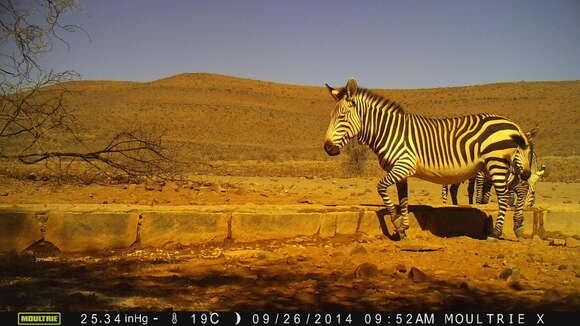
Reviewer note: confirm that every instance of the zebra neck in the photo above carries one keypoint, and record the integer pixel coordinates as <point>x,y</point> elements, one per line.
<point>376,124</point>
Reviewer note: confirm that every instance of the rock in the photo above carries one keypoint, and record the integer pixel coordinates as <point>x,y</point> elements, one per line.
<point>360,250</point>
<point>551,295</point>
<point>366,270</point>
<point>562,267</point>
<point>510,274</point>
<point>417,275</point>
<point>32,177</point>
<point>486,265</point>
<point>516,285</point>
<point>3,194</point>
<point>305,201</point>
<point>557,242</point>
<point>42,248</point>
<point>465,286</point>
<point>500,256</point>
<point>401,268</point>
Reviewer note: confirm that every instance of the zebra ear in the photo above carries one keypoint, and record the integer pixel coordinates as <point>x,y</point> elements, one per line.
<point>532,133</point>
<point>351,87</point>
<point>333,92</point>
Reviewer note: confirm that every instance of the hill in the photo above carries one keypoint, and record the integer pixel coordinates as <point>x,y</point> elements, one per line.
<point>210,117</point>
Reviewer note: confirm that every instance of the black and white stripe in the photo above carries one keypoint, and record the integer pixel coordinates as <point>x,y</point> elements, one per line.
<point>482,186</point>
<point>444,151</point>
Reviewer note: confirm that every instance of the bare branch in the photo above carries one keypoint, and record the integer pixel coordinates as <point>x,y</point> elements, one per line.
<point>36,123</point>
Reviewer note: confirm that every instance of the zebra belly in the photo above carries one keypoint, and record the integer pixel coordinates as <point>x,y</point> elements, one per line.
<point>447,175</point>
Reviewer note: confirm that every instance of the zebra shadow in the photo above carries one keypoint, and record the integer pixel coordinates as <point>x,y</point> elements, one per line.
<point>442,221</point>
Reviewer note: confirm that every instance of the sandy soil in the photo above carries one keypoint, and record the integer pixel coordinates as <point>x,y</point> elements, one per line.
<point>342,273</point>
<point>212,189</point>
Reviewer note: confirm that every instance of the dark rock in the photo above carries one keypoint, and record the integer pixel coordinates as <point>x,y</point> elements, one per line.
<point>510,274</point>
<point>366,270</point>
<point>42,248</point>
<point>516,285</point>
<point>562,267</point>
<point>417,275</point>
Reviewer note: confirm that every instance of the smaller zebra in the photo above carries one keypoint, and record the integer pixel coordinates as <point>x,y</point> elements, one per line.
<point>482,186</point>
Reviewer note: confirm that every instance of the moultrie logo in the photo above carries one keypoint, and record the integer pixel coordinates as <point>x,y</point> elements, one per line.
<point>39,318</point>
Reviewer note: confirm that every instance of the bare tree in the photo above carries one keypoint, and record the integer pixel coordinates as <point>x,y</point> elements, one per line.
<point>34,117</point>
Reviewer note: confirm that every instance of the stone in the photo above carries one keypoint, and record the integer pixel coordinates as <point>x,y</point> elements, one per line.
<point>558,242</point>
<point>510,274</point>
<point>42,248</point>
<point>417,275</point>
<point>366,270</point>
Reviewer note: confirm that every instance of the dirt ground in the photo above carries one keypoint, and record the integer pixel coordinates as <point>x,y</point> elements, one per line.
<point>358,272</point>
<point>342,273</point>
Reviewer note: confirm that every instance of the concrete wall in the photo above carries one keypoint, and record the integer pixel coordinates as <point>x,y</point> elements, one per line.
<point>80,228</point>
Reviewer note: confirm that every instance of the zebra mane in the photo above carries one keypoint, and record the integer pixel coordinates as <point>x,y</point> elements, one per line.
<point>380,101</point>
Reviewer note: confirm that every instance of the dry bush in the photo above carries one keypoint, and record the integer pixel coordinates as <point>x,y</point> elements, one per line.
<point>355,162</point>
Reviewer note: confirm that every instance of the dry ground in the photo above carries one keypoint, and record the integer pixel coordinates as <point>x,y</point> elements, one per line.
<point>241,183</point>
<point>342,273</point>
<point>309,273</point>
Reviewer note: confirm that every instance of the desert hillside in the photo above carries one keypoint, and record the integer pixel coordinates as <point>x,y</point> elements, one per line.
<point>210,117</point>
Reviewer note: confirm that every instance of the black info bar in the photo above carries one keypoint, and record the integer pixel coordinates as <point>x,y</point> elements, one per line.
<point>203,318</point>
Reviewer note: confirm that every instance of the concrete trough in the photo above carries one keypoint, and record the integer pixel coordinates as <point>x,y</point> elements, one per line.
<point>82,228</point>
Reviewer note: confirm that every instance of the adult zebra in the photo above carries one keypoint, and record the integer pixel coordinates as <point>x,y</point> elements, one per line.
<point>444,151</point>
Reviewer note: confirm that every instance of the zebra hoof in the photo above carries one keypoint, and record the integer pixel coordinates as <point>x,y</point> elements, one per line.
<point>492,238</point>
<point>399,224</point>
<point>402,235</point>
<point>519,231</point>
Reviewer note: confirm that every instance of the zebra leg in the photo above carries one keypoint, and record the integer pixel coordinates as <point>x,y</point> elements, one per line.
<point>531,198</point>
<point>498,170</point>
<point>398,175</point>
<point>478,189</point>
<point>444,191</point>
<point>485,191</point>
<point>454,189</point>
<point>470,190</point>
<point>521,192</point>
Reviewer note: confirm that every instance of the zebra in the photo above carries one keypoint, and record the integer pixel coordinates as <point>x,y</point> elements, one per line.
<point>481,185</point>
<point>444,151</point>
<point>455,187</point>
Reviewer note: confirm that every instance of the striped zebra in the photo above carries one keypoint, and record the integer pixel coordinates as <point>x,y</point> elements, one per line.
<point>444,151</point>
<point>480,185</point>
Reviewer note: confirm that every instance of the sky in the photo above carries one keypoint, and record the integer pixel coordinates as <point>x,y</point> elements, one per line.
<point>384,44</point>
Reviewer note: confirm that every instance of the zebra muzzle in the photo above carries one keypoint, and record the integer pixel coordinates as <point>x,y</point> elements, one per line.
<point>331,149</point>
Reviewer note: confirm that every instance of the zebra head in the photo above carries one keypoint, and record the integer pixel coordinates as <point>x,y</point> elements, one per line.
<point>345,122</point>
